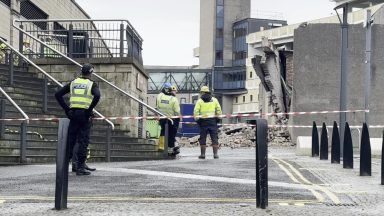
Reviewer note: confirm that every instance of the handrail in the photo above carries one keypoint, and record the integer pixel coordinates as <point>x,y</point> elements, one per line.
<point>46,74</point>
<point>78,64</point>
<point>14,103</point>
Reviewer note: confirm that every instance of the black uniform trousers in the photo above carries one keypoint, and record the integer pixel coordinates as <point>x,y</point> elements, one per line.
<point>79,132</point>
<point>172,132</point>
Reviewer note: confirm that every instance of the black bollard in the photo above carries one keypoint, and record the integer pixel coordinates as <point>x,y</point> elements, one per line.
<point>261,163</point>
<point>382,161</point>
<point>62,164</point>
<point>324,143</point>
<point>365,153</point>
<point>335,152</point>
<point>348,148</point>
<point>315,141</point>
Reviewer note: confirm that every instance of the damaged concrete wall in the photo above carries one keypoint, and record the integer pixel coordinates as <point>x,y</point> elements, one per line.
<point>316,80</point>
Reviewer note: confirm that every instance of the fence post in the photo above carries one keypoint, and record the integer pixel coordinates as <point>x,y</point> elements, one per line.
<point>335,151</point>
<point>62,164</point>
<point>348,148</point>
<point>121,40</point>
<point>382,161</point>
<point>11,68</point>
<point>365,153</point>
<point>2,115</point>
<point>166,138</point>
<point>23,142</point>
<point>324,143</point>
<point>261,163</point>
<point>108,150</point>
<point>315,141</point>
<point>45,94</point>
<point>70,40</point>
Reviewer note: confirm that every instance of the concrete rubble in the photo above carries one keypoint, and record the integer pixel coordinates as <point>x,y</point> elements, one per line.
<point>240,137</point>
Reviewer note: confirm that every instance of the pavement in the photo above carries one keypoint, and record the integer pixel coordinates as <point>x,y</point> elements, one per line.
<point>189,186</point>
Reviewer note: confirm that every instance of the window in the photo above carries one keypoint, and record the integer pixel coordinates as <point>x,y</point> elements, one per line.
<point>251,98</point>
<point>31,11</point>
<point>250,74</point>
<point>219,33</point>
<point>219,55</point>
<point>243,99</point>
<point>220,2</point>
<point>6,2</point>
<point>237,99</point>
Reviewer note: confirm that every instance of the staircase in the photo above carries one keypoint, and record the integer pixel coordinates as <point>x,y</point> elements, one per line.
<point>27,92</point>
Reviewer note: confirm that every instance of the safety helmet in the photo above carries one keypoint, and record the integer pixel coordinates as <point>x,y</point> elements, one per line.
<point>204,89</point>
<point>26,42</point>
<point>87,69</point>
<point>173,88</point>
<point>167,86</point>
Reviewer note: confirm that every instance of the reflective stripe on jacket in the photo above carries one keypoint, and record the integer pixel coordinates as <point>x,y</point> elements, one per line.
<point>207,108</point>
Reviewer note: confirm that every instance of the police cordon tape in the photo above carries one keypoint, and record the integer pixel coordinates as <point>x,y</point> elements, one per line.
<point>199,116</point>
<point>282,126</point>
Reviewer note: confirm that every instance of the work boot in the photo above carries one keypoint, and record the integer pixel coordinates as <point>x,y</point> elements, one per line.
<point>215,150</point>
<point>74,167</point>
<point>86,167</point>
<point>81,170</point>
<point>202,149</point>
<point>176,150</point>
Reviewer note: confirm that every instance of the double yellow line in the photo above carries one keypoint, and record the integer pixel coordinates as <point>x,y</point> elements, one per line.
<point>298,178</point>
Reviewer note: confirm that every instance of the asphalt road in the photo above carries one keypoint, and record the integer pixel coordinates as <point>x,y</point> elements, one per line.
<point>189,186</point>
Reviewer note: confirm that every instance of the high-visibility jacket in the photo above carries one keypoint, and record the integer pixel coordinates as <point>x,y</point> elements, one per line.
<point>168,105</point>
<point>81,93</point>
<point>207,108</point>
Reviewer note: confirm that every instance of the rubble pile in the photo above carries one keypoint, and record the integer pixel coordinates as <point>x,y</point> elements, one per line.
<point>240,137</point>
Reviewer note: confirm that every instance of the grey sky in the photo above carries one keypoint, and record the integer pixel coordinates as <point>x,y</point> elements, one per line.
<point>170,28</point>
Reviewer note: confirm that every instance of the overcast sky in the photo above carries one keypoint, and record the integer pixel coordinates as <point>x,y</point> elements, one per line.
<point>170,28</point>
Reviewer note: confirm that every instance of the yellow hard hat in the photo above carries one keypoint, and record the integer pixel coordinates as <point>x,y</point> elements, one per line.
<point>26,42</point>
<point>173,88</point>
<point>204,89</point>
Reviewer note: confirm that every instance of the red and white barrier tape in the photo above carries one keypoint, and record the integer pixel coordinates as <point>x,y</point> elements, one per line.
<point>200,116</point>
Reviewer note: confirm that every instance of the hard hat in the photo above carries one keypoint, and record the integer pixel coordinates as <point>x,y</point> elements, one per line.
<point>167,86</point>
<point>87,69</point>
<point>26,42</point>
<point>173,88</point>
<point>204,89</point>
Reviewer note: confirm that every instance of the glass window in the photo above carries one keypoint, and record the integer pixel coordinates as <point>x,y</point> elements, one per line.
<point>220,11</point>
<point>251,98</point>
<point>220,22</point>
<point>220,2</point>
<point>219,33</point>
<point>219,55</point>
<point>250,75</point>
<point>237,99</point>
<point>244,99</point>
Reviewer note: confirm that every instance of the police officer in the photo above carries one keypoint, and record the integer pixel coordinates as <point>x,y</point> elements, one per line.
<point>168,104</point>
<point>209,106</point>
<point>84,96</point>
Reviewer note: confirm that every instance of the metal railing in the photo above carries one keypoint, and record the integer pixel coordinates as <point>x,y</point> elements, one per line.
<point>46,75</point>
<point>23,126</point>
<point>82,38</point>
<point>58,52</point>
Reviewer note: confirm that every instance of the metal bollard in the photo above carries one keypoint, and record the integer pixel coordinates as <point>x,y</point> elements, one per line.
<point>261,163</point>
<point>382,161</point>
<point>348,148</point>
<point>108,147</point>
<point>166,138</point>
<point>365,153</point>
<point>315,141</point>
<point>324,143</point>
<point>62,164</point>
<point>23,142</point>
<point>335,152</point>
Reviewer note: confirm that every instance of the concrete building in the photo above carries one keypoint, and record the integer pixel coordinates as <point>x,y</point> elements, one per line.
<point>224,25</point>
<point>311,73</point>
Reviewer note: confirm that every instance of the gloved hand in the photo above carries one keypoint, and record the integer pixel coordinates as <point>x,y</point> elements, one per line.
<point>199,121</point>
<point>69,113</point>
<point>89,113</point>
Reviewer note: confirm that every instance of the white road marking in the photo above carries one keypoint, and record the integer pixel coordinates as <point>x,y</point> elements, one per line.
<point>200,177</point>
